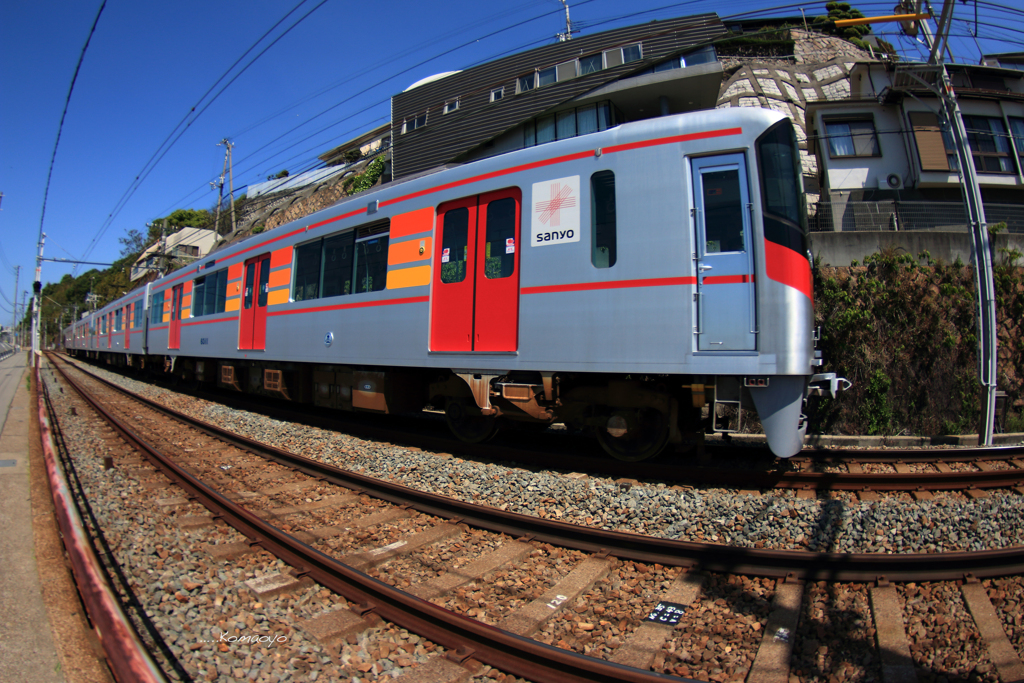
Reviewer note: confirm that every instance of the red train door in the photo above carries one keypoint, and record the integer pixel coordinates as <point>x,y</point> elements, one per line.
<point>475,294</point>
<point>252,323</point>
<point>174,333</point>
<point>128,325</point>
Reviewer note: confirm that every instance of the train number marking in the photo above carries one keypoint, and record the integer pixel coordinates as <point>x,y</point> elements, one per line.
<point>559,599</point>
<point>204,340</point>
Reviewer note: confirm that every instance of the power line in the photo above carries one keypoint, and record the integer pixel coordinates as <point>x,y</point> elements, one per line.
<point>63,116</point>
<point>194,116</point>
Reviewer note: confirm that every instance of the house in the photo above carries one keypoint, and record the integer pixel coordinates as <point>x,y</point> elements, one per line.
<point>886,160</point>
<point>184,246</point>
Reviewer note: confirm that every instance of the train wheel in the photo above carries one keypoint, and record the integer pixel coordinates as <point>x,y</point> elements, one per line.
<point>634,435</point>
<point>467,427</point>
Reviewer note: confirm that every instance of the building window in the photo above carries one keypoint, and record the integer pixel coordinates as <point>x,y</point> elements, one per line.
<point>566,71</point>
<point>591,64</point>
<point>990,145</point>
<point>547,76</point>
<point>931,143</point>
<point>622,55</point>
<point>451,106</point>
<point>497,94</point>
<point>414,123</point>
<point>526,83</point>
<point>602,219</point>
<point>568,124</point>
<point>851,138</point>
<point>1017,132</point>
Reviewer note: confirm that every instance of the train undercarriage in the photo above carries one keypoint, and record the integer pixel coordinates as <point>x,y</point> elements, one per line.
<point>633,417</point>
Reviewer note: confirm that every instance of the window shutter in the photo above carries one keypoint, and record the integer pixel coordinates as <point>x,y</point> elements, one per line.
<point>930,146</point>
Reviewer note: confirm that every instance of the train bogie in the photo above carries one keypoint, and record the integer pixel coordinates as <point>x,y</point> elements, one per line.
<point>622,281</point>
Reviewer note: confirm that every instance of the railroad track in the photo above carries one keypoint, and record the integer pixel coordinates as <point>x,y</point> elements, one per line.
<point>865,472</point>
<point>600,547</point>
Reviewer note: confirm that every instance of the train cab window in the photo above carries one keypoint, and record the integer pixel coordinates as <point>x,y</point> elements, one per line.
<point>307,272</point>
<point>500,247</point>
<point>602,219</point>
<point>455,245</point>
<point>337,264</point>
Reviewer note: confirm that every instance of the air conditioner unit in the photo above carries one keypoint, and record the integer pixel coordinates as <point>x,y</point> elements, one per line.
<point>893,181</point>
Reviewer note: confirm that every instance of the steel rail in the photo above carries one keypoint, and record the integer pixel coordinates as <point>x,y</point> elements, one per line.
<point>128,658</point>
<point>464,637</point>
<point>714,557</point>
<point>739,478</point>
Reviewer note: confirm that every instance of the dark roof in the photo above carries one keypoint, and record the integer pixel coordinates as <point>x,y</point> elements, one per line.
<point>447,136</point>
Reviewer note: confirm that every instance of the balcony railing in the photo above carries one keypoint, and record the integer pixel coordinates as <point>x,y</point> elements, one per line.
<point>896,215</point>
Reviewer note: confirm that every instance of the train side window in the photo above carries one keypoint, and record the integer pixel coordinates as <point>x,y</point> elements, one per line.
<point>337,264</point>
<point>371,263</point>
<point>221,291</point>
<point>156,308</point>
<point>602,219</point>
<point>500,246</point>
<point>307,271</point>
<point>198,297</point>
<point>250,282</point>
<point>138,314</point>
<point>454,245</point>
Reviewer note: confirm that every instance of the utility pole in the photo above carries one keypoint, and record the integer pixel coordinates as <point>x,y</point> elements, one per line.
<point>231,177</point>
<point>37,290</point>
<point>17,273</point>
<point>562,37</point>
<point>983,276</point>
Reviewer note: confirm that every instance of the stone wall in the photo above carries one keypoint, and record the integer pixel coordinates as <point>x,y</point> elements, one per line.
<point>818,70</point>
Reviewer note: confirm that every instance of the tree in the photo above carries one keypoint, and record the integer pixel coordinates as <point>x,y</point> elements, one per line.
<point>842,10</point>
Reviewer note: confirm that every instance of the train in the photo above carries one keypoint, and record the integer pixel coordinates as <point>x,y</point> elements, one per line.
<point>649,283</point>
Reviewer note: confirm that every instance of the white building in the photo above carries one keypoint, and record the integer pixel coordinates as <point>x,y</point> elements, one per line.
<point>184,246</point>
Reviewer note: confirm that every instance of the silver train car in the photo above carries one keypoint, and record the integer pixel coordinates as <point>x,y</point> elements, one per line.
<point>625,281</point>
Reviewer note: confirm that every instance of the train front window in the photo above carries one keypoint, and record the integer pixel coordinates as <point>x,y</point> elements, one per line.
<point>781,191</point>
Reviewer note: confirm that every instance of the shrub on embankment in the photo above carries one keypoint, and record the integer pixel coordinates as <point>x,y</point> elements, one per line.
<point>904,331</point>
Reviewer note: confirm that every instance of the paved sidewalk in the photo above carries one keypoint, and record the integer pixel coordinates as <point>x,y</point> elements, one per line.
<point>27,650</point>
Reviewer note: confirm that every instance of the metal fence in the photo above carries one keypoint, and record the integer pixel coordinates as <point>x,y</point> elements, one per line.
<point>895,215</point>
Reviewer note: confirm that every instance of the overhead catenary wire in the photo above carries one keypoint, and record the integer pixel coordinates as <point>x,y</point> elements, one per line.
<point>194,115</point>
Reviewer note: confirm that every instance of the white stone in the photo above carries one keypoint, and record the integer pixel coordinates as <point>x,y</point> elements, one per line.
<point>792,92</point>
<point>770,87</point>
<point>810,94</point>
<point>741,87</point>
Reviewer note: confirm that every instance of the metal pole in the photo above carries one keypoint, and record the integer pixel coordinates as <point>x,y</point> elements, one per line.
<point>37,289</point>
<point>14,321</point>
<point>984,279</point>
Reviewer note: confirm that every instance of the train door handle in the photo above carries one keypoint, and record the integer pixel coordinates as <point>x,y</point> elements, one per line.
<point>702,267</point>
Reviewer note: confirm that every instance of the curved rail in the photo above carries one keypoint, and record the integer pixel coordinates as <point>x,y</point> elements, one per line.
<point>127,657</point>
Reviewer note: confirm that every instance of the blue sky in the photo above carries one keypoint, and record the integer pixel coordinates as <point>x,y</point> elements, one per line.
<point>148,64</point>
